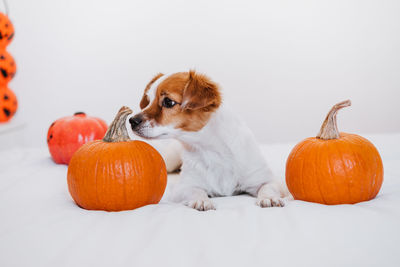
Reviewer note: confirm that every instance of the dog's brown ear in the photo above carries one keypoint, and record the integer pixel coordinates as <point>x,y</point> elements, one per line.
<point>145,99</point>
<point>200,92</point>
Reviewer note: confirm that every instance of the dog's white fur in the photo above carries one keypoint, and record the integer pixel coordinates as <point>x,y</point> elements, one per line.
<point>222,159</point>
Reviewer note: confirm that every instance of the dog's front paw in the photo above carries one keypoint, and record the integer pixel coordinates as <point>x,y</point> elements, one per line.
<point>271,202</point>
<point>201,204</point>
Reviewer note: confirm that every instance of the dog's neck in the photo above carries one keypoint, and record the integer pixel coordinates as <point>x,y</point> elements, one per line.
<point>215,135</point>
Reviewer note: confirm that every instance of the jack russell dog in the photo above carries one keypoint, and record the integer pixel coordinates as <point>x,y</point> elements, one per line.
<point>220,155</point>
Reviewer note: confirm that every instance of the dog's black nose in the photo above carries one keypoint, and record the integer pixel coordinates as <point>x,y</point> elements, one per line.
<point>136,120</point>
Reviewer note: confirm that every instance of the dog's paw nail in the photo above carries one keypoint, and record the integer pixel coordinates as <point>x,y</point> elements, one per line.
<point>264,203</point>
<point>202,205</point>
<point>273,202</point>
<point>277,202</point>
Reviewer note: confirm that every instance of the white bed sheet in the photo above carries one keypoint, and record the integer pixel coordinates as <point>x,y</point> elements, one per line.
<point>41,226</point>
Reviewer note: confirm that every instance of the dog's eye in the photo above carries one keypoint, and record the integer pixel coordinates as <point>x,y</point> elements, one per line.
<point>168,103</point>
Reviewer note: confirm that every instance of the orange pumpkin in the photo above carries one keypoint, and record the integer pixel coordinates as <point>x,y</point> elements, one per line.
<point>6,30</point>
<point>8,104</point>
<point>7,67</point>
<point>334,168</point>
<point>116,173</point>
<point>67,134</point>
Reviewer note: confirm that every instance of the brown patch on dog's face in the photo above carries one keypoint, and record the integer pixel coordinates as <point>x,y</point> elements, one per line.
<point>182,101</point>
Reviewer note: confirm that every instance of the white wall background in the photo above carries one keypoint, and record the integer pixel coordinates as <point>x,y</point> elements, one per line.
<point>282,64</point>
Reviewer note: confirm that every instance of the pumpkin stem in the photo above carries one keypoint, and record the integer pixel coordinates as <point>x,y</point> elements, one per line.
<point>80,113</point>
<point>329,128</point>
<point>117,131</point>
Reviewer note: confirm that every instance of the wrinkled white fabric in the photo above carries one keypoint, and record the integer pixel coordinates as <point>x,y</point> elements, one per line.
<point>41,226</point>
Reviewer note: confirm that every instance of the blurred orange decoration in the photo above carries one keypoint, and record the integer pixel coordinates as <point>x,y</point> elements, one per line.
<point>8,100</point>
<point>8,104</point>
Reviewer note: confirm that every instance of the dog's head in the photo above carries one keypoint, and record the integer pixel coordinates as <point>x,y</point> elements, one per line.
<point>172,104</point>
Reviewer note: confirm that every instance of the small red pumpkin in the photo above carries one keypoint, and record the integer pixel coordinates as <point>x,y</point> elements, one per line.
<point>7,67</point>
<point>6,30</point>
<point>8,104</point>
<point>67,134</point>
